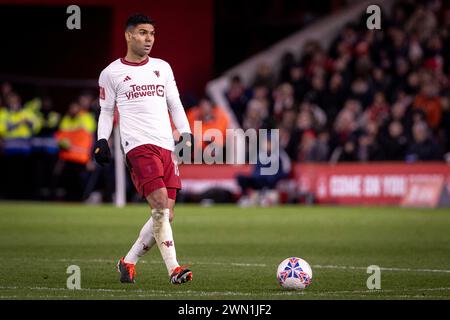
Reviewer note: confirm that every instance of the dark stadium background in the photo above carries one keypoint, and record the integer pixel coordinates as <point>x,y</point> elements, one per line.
<point>200,39</point>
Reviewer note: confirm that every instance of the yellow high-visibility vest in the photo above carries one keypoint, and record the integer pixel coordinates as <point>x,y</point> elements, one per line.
<point>17,128</point>
<point>3,115</point>
<point>83,120</point>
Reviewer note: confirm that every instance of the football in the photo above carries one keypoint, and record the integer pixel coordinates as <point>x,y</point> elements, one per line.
<point>294,273</point>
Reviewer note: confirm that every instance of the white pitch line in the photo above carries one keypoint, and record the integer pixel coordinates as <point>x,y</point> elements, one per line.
<point>154,292</point>
<point>160,262</point>
<point>248,264</point>
<point>317,266</point>
<point>381,268</point>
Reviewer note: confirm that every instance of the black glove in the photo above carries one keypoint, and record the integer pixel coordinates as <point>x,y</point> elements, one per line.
<point>186,142</point>
<point>102,153</point>
<point>187,139</point>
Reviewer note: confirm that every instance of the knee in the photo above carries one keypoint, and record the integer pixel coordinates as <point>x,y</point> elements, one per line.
<point>158,199</point>
<point>159,203</point>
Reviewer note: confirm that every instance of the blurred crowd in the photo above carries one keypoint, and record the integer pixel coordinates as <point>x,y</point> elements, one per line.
<point>45,155</point>
<point>374,95</point>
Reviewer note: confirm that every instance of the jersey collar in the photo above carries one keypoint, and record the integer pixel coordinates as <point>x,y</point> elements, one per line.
<point>135,64</point>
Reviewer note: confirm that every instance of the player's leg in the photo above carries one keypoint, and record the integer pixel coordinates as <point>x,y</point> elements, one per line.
<point>162,229</point>
<point>180,274</point>
<point>157,199</point>
<point>146,240</point>
<point>143,244</point>
<point>139,160</point>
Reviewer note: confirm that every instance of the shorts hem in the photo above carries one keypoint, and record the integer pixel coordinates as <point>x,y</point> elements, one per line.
<point>151,186</point>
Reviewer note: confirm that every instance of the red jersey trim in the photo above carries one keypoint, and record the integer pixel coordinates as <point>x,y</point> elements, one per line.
<point>135,64</point>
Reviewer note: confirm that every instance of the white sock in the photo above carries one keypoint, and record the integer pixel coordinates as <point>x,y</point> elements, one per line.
<point>143,244</point>
<point>162,231</point>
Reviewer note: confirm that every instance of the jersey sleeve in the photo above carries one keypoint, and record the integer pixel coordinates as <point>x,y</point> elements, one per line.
<point>174,104</point>
<point>107,100</point>
<point>107,95</point>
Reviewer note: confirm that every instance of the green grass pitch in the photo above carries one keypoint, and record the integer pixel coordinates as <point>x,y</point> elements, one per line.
<point>233,252</point>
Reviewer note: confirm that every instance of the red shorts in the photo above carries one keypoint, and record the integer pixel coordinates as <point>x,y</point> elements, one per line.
<point>151,168</point>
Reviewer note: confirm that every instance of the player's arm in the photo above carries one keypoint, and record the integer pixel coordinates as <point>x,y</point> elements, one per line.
<point>176,110</point>
<point>107,99</point>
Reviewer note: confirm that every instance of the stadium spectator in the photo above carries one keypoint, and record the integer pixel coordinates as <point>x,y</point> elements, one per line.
<point>238,97</point>
<point>333,99</point>
<point>380,80</point>
<point>261,93</point>
<point>379,110</point>
<point>211,117</point>
<point>5,89</point>
<point>423,22</point>
<point>100,186</point>
<point>75,140</point>
<point>423,147</point>
<point>345,153</point>
<point>316,93</point>
<point>19,125</point>
<point>297,79</point>
<point>256,115</point>
<point>304,121</point>
<point>368,146</point>
<point>264,76</point>
<point>283,99</point>
<point>3,115</point>
<point>313,148</point>
<point>429,101</point>
<point>259,188</point>
<point>44,148</point>
<point>445,133</point>
<point>87,102</point>
<point>345,123</point>
<point>361,90</point>
<point>286,64</point>
<point>395,142</point>
<point>286,127</point>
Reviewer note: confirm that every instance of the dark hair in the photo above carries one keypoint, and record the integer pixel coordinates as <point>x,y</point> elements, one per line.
<point>138,18</point>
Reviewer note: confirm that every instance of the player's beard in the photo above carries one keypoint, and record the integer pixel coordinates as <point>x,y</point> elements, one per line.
<point>140,51</point>
<point>145,51</point>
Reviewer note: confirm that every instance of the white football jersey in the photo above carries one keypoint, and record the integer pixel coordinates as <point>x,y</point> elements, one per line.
<point>144,94</point>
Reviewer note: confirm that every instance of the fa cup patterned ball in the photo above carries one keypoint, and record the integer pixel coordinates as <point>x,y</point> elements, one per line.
<point>294,273</point>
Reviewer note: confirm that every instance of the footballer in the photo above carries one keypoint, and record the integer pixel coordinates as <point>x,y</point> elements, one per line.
<point>144,91</point>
